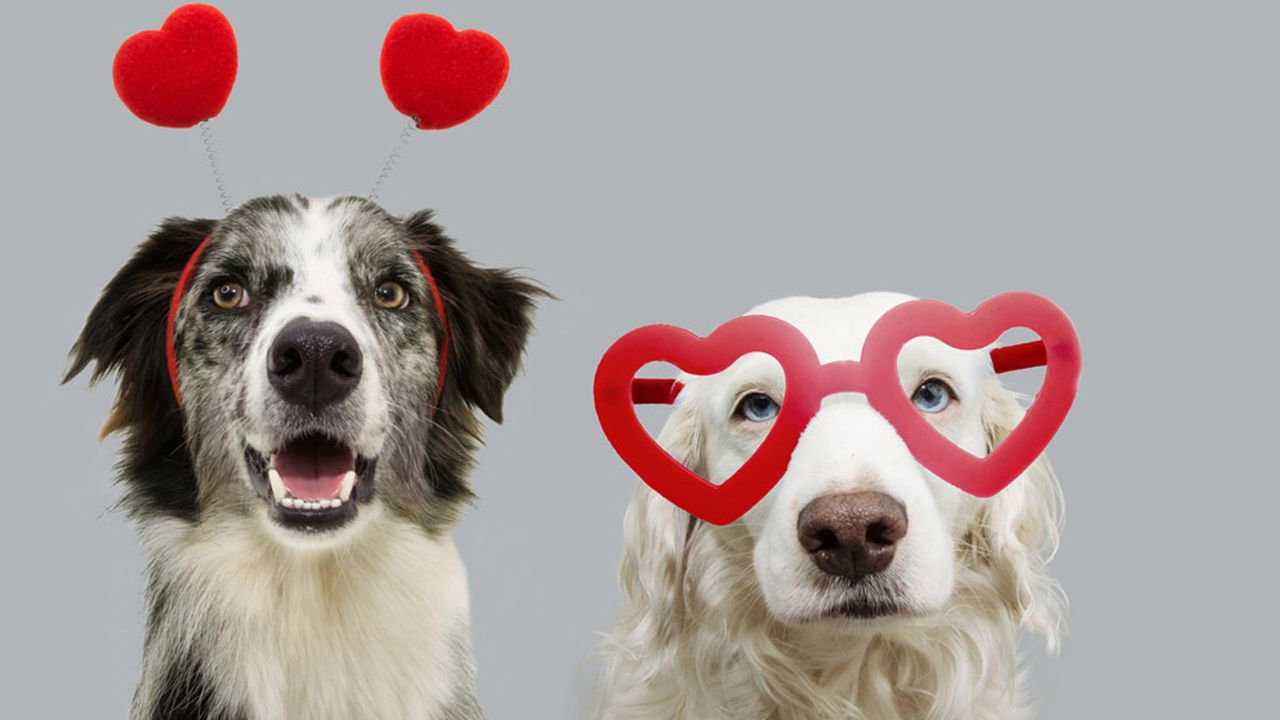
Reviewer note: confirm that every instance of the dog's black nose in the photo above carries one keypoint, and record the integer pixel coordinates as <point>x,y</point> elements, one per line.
<point>314,364</point>
<point>852,535</point>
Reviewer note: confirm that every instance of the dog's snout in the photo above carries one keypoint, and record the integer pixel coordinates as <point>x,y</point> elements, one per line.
<point>314,364</point>
<point>852,535</point>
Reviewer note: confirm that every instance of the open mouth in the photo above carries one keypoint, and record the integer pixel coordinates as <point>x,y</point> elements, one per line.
<point>312,482</point>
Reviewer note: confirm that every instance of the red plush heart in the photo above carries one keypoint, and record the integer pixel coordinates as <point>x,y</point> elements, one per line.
<point>808,382</point>
<point>181,74</point>
<point>437,75</point>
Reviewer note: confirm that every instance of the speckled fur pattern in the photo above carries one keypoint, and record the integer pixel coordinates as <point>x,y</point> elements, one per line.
<point>248,619</point>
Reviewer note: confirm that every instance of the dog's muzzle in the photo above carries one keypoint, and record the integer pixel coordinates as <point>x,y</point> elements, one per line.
<point>314,476</point>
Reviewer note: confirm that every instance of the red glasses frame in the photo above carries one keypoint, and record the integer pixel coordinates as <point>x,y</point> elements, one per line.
<point>808,381</point>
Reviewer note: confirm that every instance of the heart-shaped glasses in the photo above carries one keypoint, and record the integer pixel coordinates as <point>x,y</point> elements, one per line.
<point>808,381</point>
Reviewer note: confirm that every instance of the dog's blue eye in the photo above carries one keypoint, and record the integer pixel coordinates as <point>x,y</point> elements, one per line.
<point>933,396</point>
<point>757,407</point>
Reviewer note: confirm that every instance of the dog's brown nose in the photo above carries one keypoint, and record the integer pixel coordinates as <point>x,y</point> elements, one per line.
<point>852,535</point>
<point>314,364</point>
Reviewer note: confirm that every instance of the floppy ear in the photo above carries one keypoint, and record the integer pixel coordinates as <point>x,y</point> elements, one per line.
<point>657,533</point>
<point>644,643</point>
<point>1020,527</point>
<point>490,314</point>
<point>125,332</point>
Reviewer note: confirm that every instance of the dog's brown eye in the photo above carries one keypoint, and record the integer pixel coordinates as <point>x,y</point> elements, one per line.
<point>229,295</point>
<point>391,295</point>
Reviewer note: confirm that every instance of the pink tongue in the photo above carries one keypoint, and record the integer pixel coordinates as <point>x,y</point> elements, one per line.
<point>313,468</point>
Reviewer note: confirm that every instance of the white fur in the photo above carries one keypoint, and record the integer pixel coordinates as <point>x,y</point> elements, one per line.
<point>375,631</point>
<point>728,622</point>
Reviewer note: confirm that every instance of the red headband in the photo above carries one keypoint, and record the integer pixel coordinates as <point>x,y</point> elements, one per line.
<point>189,270</point>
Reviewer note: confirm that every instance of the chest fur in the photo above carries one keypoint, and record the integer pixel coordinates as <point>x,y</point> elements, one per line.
<point>380,630</point>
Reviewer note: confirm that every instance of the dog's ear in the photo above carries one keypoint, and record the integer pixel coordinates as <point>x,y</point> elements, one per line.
<point>490,314</point>
<point>125,332</point>
<point>657,535</point>
<point>1019,528</point>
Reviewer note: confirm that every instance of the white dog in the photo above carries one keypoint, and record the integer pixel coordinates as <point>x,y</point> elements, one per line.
<point>862,586</point>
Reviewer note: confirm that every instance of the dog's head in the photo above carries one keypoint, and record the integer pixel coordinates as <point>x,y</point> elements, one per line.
<point>309,352</point>
<point>856,535</point>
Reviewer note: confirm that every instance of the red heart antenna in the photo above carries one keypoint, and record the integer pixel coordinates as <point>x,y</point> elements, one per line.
<point>181,74</point>
<point>438,76</point>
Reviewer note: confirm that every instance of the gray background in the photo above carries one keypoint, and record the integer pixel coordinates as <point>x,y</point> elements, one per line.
<point>681,162</point>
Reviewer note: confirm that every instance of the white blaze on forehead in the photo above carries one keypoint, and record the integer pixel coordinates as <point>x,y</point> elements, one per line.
<point>316,251</point>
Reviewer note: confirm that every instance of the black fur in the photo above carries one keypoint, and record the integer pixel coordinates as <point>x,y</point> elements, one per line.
<point>490,316</point>
<point>186,695</point>
<point>125,335</point>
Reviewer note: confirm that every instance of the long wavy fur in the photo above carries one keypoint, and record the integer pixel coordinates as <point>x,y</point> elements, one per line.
<point>694,640</point>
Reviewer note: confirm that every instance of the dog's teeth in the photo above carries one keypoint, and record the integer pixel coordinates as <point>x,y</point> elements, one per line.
<point>348,482</point>
<point>277,485</point>
<point>300,504</point>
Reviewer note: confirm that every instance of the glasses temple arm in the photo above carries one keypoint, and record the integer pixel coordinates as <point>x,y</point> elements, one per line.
<point>1023,356</point>
<point>663,391</point>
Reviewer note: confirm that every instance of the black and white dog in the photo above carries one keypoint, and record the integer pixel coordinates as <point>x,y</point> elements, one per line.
<point>295,503</point>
